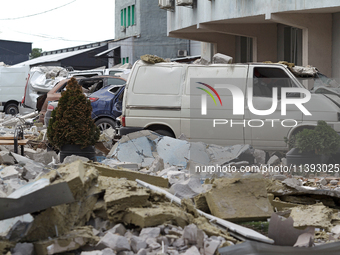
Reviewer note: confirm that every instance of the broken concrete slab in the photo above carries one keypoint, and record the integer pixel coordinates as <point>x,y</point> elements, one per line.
<point>115,242</point>
<point>6,158</point>
<point>220,58</point>
<point>123,194</point>
<point>188,188</point>
<point>9,172</point>
<point>210,246</point>
<point>46,157</point>
<point>274,160</point>
<point>305,240</point>
<point>192,251</point>
<point>190,234</point>
<point>73,240</point>
<point>128,174</point>
<point>137,243</point>
<point>316,215</point>
<point>15,228</point>
<point>73,158</point>
<point>150,232</point>
<point>118,229</point>
<point>224,199</point>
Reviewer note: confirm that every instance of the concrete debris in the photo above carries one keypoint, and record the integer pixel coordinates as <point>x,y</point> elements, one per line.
<point>115,242</point>
<point>23,249</point>
<point>151,59</point>
<point>6,158</point>
<point>260,156</point>
<point>316,215</point>
<point>73,158</point>
<point>219,58</point>
<point>9,172</point>
<point>274,160</point>
<point>224,199</point>
<point>305,240</point>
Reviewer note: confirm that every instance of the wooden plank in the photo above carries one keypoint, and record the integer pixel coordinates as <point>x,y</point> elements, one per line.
<point>11,142</point>
<point>11,137</point>
<point>120,172</point>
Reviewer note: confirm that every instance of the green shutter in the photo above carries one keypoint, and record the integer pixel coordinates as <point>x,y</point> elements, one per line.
<point>123,61</point>
<point>127,59</point>
<point>129,16</point>
<point>133,14</point>
<point>124,17</point>
<point>121,17</point>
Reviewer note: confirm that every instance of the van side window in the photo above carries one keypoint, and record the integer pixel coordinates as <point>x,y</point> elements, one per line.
<point>267,78</point>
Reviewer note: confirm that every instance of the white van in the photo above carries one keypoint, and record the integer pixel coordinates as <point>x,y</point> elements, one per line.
<point>12,87</point>
<point>174,99</point>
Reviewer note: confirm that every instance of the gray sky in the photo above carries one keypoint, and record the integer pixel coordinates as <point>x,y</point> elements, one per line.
<point>49,27</point>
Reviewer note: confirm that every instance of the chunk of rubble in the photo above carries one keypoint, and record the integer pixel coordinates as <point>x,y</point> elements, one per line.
<point>9,172</point>
<point>115,242</point>
<point>225,202</point>
<point>123,194</point>
<point>70,241</point>
<point>219,58</point>
<point>316,215</point>
<point>154,216</point>
<point>6,158</point>
<point>73,158</point>
<point>260,156</point>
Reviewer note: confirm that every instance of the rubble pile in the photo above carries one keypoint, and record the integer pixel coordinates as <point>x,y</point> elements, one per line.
<point>147,197</point>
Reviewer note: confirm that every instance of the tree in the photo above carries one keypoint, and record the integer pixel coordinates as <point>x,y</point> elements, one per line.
<point>36,52</point>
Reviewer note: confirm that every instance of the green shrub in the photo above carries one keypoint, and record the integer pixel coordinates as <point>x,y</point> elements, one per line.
<point>321,140</point>
<point>71,121</point>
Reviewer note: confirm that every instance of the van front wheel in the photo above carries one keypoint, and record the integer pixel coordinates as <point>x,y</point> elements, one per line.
<point>164,133</point>
<point>12,109</point>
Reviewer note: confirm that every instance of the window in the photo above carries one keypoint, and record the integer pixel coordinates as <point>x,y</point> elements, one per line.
<point>127,59</point>
<point>133,14</point>
<point>123,61</point>
<point>267,78</point>
<point>129,16</point>
<point>124,17</point>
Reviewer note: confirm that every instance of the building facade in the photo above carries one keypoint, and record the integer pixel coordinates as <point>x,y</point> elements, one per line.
<point>13,52</point>
<point>141,28</point>
<point>305,32</point>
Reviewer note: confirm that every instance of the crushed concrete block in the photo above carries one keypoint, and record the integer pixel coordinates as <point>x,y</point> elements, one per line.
<point>118,229</point>
<point>178,243</point>
<point>46,157</point>
<point>210,246</point>
<point>292,182</point>
<point>115,242</point>
<point>137,243</point>
<point>188,188</point>
<point>149,217</point>
<point>143,252</point>
<point>73,158</point>
<point>190,234</point>
<point>157,165</point>
<point>130,175</point>
<point>192,251</point>
<point>123,194</point>
<point>9,186</point>
<point>316,215</point>
<point>6,158</point>
<point>284,161</point>
<point>150,232</point>
<point>220,58</point>
<point>9,172</point>
<point>23,249</point>
<point>274,160</point>
<point>125,253</point>
<point>71,241</point>
<point>224,199</point>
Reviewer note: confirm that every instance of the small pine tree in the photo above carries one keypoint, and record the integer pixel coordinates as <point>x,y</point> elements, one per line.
<point>71,121</point>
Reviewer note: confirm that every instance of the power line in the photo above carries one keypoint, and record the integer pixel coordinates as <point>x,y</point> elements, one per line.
<point>31,15</point>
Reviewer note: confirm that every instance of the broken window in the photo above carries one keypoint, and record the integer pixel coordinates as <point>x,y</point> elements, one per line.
<point>267,78</point>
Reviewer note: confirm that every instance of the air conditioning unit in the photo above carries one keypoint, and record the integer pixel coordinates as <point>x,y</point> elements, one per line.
<point>182,53</point>
<point>184,2</point>
<point>166,4</point>
<point>122,28</point>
